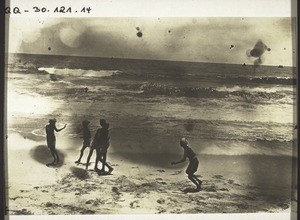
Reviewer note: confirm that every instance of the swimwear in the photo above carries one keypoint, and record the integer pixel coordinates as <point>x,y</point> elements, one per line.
<point>193,165</point>
<point>51,140</point>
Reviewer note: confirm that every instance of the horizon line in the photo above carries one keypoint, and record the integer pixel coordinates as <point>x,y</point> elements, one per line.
<point>184,61</point>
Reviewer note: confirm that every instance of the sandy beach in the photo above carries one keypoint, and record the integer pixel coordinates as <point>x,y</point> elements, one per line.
<point>230,184</point>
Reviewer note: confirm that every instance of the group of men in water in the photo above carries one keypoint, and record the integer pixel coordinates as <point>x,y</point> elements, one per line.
<point>101,142</point>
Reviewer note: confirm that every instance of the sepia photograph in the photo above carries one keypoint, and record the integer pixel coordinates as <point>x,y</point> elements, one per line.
<point>151,115</point>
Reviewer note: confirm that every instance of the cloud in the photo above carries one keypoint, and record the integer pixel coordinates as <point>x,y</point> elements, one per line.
<point>71,36</point>
<point>189,39</point>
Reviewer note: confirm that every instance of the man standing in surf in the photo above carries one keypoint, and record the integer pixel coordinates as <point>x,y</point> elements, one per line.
<point>193,165</point>
<point>51,140</point>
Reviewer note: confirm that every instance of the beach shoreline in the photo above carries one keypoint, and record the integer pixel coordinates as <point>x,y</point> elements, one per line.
<point>145,184</point>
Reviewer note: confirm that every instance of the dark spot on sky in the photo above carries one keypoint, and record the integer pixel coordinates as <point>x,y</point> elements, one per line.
<point>139,34</point>
<point>284,48</point>
<point>169,31</point>
<point>49,48</point>
<point>231,46</point>
<point>257,51</point>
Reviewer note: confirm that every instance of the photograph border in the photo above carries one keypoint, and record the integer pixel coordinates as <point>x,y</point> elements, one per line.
<point>138,9</point>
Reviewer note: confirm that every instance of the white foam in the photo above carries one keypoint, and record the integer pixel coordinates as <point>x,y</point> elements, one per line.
<point>256,89</point>
<point>29,103</point>
<point>79,72</point>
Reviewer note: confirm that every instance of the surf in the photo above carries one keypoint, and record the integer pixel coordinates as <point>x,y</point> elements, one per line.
<point>79,72</point>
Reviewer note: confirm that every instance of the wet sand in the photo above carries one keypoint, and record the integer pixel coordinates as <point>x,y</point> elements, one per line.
<point>230,185</point>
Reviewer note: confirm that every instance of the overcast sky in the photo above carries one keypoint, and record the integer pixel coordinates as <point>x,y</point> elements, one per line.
<point>181,39</point>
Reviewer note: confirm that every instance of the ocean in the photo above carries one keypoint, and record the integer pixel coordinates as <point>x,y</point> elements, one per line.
<point>223,109</point>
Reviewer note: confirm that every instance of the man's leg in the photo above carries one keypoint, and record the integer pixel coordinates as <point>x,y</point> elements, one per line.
<point>103,157</point>
<point>56,154</point>
<point>197,179</point>
<point>97,159</point>
<point>53,155</point>
<point>191,177</point>
<point>81,154</point>
<point>88,158</point>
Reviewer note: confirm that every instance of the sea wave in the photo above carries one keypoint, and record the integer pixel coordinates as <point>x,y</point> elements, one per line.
<point>79,72</point>
<point>236,93</point>
<point>245,131</point>
<point>259,79</point>
<point>254,89</point>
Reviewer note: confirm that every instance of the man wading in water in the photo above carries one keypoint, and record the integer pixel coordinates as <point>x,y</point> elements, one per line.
<point>51,140</point>
<point>193,165</point>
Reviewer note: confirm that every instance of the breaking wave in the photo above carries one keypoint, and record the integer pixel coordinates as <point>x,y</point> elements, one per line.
<point>235,93</point>
<point>79,72</point>
<point>261,80</point>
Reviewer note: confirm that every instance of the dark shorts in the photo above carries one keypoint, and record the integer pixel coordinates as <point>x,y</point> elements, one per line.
<point>51,143</point>
<point>86,143</point>
<point>94,146</point>
<point>193,166</point>
<point>103,148</point>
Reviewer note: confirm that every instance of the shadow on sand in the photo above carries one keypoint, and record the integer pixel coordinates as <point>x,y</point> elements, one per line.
<point>190,190</point>
<point>42,154</point>
<point>80,173</point>
<point>101,173</point>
